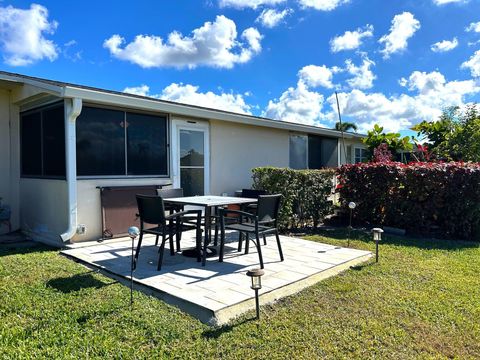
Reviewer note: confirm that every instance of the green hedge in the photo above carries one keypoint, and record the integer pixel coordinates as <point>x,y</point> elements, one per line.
<point>305,200</point>
<point>433,199</point>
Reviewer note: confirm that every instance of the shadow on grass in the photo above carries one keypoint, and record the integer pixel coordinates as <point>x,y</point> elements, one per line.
<point>418,242</point>
<point>23,248</point>
<point>77,282</point>
<point>225,329</point>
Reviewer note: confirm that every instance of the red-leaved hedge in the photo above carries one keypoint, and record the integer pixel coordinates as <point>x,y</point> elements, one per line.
<point>433,199</point>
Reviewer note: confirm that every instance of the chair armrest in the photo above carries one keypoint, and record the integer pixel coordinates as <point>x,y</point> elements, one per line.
<point>183,213</point>
<point>222,213</point>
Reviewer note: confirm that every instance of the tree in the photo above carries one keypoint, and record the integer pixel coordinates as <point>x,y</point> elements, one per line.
<point>394,141</point>
<point>345,126</point>
<point>454,136</point>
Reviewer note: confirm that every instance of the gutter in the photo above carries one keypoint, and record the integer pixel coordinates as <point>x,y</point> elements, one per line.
<point>73,107</point>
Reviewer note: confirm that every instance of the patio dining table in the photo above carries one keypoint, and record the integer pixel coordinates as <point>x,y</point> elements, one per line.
<point>209,202</point>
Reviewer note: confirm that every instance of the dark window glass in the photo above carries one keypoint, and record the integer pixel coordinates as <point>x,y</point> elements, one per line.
<point>146,145</point>
<point>53,130</point>
<point>191,148</point>
<point>314,152</point>
<point>192,181</point>
<point>100,142</point>
<point>31,145</point>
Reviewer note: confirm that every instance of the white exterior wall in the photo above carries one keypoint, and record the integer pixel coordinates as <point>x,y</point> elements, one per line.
<point>235,149</point>
<point>350,145</point>
<point>43,209</point>
<point>5,151</point>
<point>89,206</point>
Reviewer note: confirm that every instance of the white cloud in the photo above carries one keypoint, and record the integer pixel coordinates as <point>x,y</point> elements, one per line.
<point>314,76</point>
<point>473,64</point>
<point>474,27</point>
<point>214,44</point>
<point>363,77</point>
<point>142,90</point>
<point>443,2</point>
<point>432,93</point>
<point>403,27</point>
<point>445,45</point>
<point>22,35</point>
<point>240,4</point>
<point>351,40</point>
<point>189,94</point>
<point>323,5</point>
<point>299,105</point>
<point>271,17</point>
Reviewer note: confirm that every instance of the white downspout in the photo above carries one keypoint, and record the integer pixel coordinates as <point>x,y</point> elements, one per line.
<point>73,107</point>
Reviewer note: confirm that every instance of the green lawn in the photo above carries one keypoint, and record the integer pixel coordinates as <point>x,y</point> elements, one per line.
<point>421,301</point>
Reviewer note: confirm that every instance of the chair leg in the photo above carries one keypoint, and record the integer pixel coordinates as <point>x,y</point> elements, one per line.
<point>222,245</point>
<point>247,243</point>
<point>279,245</point>
<point>259,249</point>
<point>198,244</point>
<point>240,240</point>
<point>204,252</point>
<point>178,237</point>
<point>264,239</point>
<point>160,253</point>
<point>137,252</point>
<point>156,240</point>
<point>172,248</point>
<point>215,239</point>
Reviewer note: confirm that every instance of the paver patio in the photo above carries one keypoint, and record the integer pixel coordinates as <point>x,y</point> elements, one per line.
<point>219,292</point>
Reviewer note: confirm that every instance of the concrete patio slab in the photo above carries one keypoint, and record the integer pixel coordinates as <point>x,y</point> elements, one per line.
<point>218,292</point>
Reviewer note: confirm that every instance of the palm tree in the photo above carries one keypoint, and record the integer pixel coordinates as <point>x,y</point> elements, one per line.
<point>345,126</point>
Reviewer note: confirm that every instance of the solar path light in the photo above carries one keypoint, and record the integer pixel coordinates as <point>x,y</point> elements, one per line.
<point>256,276</point>
<point>133,232</point>
<point>351,206</point>
<point>377,237</point>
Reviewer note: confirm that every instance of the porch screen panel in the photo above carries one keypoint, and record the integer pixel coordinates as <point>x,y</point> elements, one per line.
<point>53,137</point>
<point>298,152</point>
<point>329,152</point>
<point>146,144</point>
<point>100,142</point>
<point>31,144</point>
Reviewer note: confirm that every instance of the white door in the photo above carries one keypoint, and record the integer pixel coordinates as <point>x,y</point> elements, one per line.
<point>191,157</point>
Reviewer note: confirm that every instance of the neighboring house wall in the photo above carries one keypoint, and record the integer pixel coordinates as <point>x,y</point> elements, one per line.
<point>235,149</point>
<point>350,145</point>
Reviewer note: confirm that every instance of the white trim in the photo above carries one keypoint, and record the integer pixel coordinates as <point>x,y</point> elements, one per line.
<point>176,126</point>
<point>72,110</point>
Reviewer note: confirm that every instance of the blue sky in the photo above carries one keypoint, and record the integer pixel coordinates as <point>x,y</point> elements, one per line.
<point>392,62</point>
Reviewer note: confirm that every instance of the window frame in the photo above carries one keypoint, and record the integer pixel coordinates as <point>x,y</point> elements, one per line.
<point>362,158</point>
<point>126,110</point>
<point>307,136</point>
<point>40,109</point>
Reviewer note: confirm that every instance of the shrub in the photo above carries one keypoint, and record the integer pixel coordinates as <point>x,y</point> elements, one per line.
<point>305,193</point>
<point>441,199</point>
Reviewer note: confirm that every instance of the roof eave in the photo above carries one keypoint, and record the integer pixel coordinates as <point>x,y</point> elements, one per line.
<point>126,100</point>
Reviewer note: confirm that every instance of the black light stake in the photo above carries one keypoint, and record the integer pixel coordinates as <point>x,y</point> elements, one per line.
<point>133,232</point>
<point>256,275</point>
<point>351,206</point>
<point>377,237</point>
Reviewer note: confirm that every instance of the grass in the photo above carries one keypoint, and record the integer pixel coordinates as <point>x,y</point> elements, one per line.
<point>421,301</point>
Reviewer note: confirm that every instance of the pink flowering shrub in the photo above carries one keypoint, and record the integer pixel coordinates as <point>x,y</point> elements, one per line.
<point>381,154</point>
<point>440,199</point>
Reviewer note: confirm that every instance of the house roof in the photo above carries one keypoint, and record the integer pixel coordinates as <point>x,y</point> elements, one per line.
<point>110,97</point>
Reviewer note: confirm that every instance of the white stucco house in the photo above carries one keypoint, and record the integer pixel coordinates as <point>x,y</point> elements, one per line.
<point>62,145</point>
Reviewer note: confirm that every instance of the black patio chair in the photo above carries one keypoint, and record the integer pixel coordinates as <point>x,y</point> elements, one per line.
<point>261,224</point>
<point>151,210</point>
<point>178,192</point>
